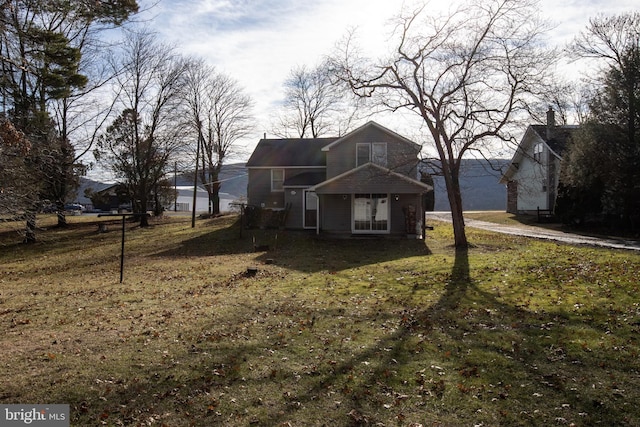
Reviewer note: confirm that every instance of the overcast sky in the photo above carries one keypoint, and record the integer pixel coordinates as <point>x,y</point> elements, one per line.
<point>258,42</point>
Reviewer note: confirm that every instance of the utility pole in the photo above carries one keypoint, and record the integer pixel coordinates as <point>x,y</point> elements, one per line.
<point>195,182</point>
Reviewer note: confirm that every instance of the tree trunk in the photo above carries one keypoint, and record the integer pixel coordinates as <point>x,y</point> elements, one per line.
<point>455,202</point>
<point>216,197</point>
<point>158,210</point>
<point>459,233</point>
<point>142,211</point>
<point>62,217</point>
<point>30,230</point>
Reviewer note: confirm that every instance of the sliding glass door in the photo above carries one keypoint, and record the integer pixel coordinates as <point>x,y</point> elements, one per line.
<point>370,213</point>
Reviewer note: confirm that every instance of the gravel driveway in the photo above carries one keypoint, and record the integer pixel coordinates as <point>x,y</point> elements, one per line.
<point>541,233</point>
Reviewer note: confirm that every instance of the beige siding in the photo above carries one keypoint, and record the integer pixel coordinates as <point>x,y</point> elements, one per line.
<point>259,191</point>
<point>401,156</point>
<point>398,207</point>
<point>335,213</point>
<point>369,180</point>
<point>397,214</point>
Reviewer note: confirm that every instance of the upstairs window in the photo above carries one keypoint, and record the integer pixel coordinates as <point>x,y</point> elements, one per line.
<point>277,179</point>
<point>363,154</point>
<point>537,152</point>
<point>379,153</point>
<point>375,152</point>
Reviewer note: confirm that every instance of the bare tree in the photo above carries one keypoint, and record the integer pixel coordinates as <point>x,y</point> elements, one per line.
<point>140,143</point>
<point>314,105</point>
<point>467,76</point>
<point>219,117</point>
<point>615,41</point>
<point>82,114</point>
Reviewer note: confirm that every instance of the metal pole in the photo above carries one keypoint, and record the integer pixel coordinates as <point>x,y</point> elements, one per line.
<point>195,182</point>
<point>175,186</point>
<point>122,251</point>
<point>123,216</point>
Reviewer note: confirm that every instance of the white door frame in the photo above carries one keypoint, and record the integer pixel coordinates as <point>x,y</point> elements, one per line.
<point>387,230</point>
<point>304,209</point>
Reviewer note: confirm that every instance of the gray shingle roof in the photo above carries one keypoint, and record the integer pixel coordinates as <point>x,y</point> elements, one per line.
<point>559,136</point>
<point>305,179</point>
<point>290,152</point>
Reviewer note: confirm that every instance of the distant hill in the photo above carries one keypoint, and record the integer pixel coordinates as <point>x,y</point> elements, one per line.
<point>86,183</point>
<point>233,179</point>
<point>480,187</point>
<point>481,190</point>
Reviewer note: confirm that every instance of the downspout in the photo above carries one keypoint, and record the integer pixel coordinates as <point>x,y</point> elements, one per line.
<point>318,217</point>
<point>423,217</point>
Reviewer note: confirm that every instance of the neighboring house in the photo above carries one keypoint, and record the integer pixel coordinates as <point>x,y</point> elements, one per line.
<point>364,182</point>
<point>533,174</point>
<point>113,197</point>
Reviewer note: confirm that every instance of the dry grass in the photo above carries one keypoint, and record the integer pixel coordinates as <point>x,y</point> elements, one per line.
<point>506,218</point>
<point>366,332</point>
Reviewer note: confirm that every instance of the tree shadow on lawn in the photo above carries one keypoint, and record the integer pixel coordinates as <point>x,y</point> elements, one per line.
<point>467,358</point>
<point>299,250</point>
<point>500,355</point>
<point>523,353</point>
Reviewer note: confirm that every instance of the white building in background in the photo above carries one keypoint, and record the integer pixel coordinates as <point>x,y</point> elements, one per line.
<point>534,173</point>
<point>184,200</point>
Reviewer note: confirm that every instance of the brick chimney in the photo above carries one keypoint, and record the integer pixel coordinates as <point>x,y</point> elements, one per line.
<point>551,122</point>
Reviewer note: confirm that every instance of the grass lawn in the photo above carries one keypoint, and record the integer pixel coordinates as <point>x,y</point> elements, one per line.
<point>502,217</point>
<point>513,331</point>
<point>506,218</point>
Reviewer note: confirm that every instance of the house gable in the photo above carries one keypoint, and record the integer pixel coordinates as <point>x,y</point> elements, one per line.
<point>398,153</point>
<point>554,144</point>
<point>370,127</point>
<point>533,174</point>
<point>524,152</point>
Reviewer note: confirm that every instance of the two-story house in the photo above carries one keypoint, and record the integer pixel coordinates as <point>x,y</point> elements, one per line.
<point>534,172</point>
<point>364,182</point>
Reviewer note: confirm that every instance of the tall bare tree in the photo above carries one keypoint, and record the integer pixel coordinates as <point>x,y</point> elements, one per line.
<point>314,105</point>
<point>81,113</point>
<point>219,117</point>
<point>140,143</point>
<point>466,75</point>
<point>615,42</point>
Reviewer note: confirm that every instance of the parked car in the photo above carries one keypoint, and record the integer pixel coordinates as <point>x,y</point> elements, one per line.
<point>74,208</point>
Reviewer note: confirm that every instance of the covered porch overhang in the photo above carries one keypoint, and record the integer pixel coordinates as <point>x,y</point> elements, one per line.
<point>370,179</point>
